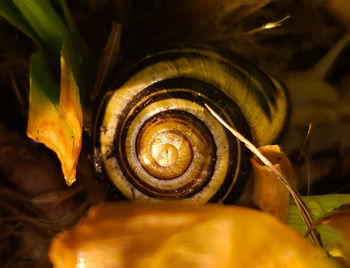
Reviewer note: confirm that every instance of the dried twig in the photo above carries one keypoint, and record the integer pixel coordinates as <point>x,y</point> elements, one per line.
<point>108,57</point>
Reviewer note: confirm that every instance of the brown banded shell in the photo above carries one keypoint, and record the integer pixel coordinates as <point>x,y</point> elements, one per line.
<point>155,140</point>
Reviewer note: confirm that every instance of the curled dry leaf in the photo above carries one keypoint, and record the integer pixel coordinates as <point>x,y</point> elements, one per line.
<point>177,235</point>
<point>270,195</point>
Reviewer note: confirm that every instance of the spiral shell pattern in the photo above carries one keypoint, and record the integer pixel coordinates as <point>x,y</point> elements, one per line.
<point>155,140</point>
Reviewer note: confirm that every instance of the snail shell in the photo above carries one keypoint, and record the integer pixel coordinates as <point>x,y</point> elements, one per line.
<point>156,140</point>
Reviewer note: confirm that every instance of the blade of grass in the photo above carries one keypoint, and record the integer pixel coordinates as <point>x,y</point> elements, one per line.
<point>319,206</point>
<point>79,60</point>
<point>45,22</point>
<point>68,16</point>
<point>42,79</point>
<point>9,12</point>
<point>51,28</point>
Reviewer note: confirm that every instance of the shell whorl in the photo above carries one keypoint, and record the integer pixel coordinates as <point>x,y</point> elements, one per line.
<point>156,140</point>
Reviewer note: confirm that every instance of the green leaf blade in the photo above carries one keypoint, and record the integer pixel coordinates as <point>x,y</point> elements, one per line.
<point>42,79</point>
<point>45,22</point>
<point>9,12</point>
<point>320,205</point>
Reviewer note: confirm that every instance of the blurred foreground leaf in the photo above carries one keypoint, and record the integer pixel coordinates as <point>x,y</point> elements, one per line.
<point>178,235</point>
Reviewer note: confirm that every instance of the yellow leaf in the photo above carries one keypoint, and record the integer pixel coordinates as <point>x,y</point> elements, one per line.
<point>178,235</point>
<point>59,128</point>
